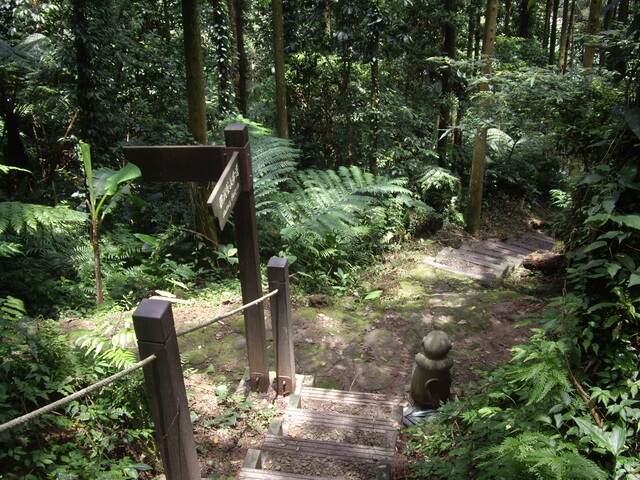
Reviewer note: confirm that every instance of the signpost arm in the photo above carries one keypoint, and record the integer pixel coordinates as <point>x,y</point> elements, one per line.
<point>237,139</point>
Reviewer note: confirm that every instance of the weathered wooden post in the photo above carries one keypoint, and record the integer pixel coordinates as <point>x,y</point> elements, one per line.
<point>236,137</point>
<point>233,175</point>
<point>153,323</point>
<point>278,273</point>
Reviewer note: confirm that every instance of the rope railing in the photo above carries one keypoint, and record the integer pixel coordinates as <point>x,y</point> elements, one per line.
<point>227,315</point>
<point>74,396</point>
<point>85,391</point>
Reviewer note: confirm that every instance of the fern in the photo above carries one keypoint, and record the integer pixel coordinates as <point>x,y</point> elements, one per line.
<point>274,160</point>
<point>325,202</point>
<point>26,217</point>
<point>535,455</point>
<point>439,178</point>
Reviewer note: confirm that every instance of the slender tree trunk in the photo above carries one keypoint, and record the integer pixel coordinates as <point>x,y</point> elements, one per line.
<point>564,38</point>
<point>623,11</point>
<point>471,31</point>
<point>506,24</point>
<point>444,118</point>
<point>478,36</point>
<point>373,164</point>
<point>524,27</point>
<point>84,64</point>
<point>570,44</point>
<point>282,123</point>
<point>606,25</point>
<point>222,46</point>
<point>194,65</point>
<point>476,182</point>
<point>593,25</point>
<point>97,265</point>
<point>546,33</point>
<point>242,70</point>
<point>554,32</point>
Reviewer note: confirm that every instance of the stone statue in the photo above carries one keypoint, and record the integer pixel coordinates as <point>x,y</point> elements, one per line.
<point>431,376</point>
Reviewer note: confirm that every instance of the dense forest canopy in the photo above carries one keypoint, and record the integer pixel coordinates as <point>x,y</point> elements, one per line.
<point>371,123</point>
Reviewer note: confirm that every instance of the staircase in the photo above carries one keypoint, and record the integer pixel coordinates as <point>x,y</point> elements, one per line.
<point>328,434</point>
<point>486,261</point>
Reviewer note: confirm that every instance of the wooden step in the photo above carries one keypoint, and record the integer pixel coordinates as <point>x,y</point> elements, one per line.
<point>259,474</point>
<point>336,427</point>
<point>514,260</point>
<point>509,246</point>
<point>542,241</point>
<point>339,420</point>
<point>485,278</point>
<point>324,449</point>
<point>343,396</point>
<point>498,265</point>
<point>524,245</point>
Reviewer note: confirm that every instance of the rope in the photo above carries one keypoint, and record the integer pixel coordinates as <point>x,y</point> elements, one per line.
<point>74,396</point>
<point>226,315</point>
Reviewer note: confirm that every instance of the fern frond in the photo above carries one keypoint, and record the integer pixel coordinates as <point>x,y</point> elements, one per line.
<point>21,217</point>
<point>534,454</point>
<point>439,178</point>
<point>10,249</point>
<point>539,379</point>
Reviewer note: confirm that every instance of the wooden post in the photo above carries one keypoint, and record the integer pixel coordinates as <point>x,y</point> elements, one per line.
<point>153,323</point>
<point>278,273</point>
<point>237,139</point>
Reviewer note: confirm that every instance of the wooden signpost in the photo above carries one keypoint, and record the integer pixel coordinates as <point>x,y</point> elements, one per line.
<point>226,192</point>
<point>230,167</point>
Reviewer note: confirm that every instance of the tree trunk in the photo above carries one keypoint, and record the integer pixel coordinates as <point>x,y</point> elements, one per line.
<point>524,27</point>
<point>223,55</point>
<point>373,164</point>
<point>444,118</point>
<point>471,31</point>
<point>282,123</point>
<point>194,65</point>
<point>84,68</point>
<point>506,24</point>
<point>476,182</point>
<point>572,18</point>
<point>553,35</point>
<point>241,73</point>
<point>564,38</point>
<point>474,207</point>
<point>546,33</point>
<point>593,25</point>
<point>97,266</point>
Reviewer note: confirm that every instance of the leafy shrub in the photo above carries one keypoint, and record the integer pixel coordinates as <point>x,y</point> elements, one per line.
<point>567,405</point>
<point>104,435</point>
<point>333,219</point>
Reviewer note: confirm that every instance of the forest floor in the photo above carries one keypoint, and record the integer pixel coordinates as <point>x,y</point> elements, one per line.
<point>350,343</point>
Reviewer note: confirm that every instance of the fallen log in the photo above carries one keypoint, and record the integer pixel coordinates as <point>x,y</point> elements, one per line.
<point>545,262</point>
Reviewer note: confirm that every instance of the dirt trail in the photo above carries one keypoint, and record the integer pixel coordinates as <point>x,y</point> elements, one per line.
<point>363,346</point>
